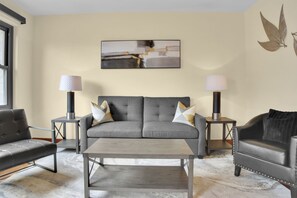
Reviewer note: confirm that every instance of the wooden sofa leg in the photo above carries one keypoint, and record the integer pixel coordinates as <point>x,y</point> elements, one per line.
<point>237,171</point>
<point>293,192</point>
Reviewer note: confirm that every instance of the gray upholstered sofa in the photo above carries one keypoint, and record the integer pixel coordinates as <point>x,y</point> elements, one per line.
<point>144,117</point>
<point>16,145</point>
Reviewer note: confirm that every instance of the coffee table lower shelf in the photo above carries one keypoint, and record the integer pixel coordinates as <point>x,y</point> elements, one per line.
<point>139,178</point>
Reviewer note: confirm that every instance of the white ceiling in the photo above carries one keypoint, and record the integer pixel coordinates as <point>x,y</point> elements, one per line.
<point>59,7</point>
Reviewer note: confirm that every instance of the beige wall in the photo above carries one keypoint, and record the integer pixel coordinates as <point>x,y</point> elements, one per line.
<point>210,44</point>
<point>22,72</point>
<point>271,76</point>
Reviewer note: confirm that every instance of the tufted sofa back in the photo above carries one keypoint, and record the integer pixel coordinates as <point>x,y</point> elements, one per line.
<point>13,126</point>
<point>162,109</point>
<point>124,108</point>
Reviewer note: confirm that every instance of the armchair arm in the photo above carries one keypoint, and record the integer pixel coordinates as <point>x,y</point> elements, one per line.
<point>85,124</point>
<point>44,129</point>
<point>253,129</point>
<point>200,123</point>
<point>293,157</point>
<point>40,128</point>
<point>293,152</point>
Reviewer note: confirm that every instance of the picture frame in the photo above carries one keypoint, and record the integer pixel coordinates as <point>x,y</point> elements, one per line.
<point>140,54</point>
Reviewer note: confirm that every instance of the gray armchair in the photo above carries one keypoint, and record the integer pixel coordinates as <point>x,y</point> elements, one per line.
<point>269,158</point>
<point>17,146</point>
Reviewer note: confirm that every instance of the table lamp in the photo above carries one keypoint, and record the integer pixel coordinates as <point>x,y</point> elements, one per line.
<point>216,83</point>
<point>70,83</point>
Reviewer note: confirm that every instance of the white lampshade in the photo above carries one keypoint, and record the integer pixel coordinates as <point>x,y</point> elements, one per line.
<point>70,83</point>
<point>216,83</point>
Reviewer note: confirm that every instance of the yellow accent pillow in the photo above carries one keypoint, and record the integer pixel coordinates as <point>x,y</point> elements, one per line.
<point>184,115</point>
<point>101,113</point>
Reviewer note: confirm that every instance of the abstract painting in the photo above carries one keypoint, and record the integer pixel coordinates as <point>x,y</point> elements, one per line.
<point>143,54</point>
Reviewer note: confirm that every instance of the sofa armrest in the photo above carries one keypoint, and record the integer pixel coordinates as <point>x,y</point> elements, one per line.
<point>85,124</point>
<point>200,124</point>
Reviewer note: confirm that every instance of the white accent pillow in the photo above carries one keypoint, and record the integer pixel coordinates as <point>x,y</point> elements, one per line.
<point>101,113</point>
<point>184,115</point>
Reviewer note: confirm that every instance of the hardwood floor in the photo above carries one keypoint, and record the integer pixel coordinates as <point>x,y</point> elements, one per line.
<point>12,170</point>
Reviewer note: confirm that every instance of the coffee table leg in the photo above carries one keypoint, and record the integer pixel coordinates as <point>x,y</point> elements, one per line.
<point>101,161</point>
<point>190,178</point>
<point>86,176</point>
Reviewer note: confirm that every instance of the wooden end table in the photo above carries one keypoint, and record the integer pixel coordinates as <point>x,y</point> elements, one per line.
<point>219,144</point>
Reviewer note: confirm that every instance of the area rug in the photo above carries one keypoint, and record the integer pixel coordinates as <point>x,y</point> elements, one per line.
<point>213,177</point>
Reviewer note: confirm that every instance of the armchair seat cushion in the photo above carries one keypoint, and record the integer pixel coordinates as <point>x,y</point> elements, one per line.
<point>22,151</point>
<point>265,150</point>
<point>157,129</point>
<point>118,129</point>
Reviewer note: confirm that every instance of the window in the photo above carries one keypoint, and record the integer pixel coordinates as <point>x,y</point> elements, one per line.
<point>6,37</point>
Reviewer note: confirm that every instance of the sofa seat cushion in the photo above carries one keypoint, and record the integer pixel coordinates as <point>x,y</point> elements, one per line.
<point>14,153</point>
<point>169,130</point>
<point>119,129</point>
<point>269,151</point>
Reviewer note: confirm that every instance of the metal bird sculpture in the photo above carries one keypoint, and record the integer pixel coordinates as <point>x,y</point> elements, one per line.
<point>295,42</point>
<point>275,35</point>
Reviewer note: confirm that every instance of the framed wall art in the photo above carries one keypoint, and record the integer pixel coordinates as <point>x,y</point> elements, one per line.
<point>143,54</point>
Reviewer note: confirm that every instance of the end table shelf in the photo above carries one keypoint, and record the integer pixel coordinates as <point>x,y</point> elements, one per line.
<point>69,144</point>
<point>219,144</point>
<point>60,129</point>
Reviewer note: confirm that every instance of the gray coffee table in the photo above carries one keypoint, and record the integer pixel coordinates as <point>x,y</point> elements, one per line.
<point>139,178</point>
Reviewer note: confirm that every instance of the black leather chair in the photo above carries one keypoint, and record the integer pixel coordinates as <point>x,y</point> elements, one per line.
<point>16,145</point>
<point>263,155</point>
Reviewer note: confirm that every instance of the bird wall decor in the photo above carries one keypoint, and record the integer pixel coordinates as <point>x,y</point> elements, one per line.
<point>275,35</point>
<point>295,42</point>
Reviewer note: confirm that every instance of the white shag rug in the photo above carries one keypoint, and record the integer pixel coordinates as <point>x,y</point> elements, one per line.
<point>213,178</point>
